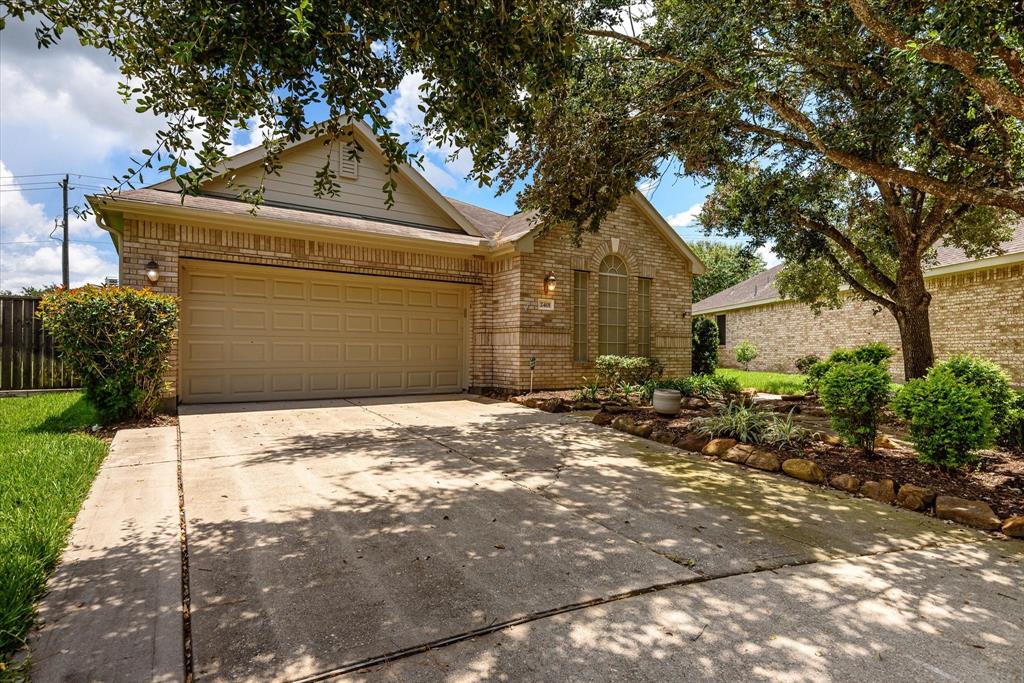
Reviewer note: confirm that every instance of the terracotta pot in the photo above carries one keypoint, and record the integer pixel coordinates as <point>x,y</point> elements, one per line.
<point>667,401</point>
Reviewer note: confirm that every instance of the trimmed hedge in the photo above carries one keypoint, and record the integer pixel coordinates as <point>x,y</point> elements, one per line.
<point>704,357</point>
<point>117,340</point>
<point>949,418</point>
<point>854,395</point>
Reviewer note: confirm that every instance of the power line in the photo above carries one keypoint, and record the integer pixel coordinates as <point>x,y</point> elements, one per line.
<point>41,175</point>
<point>56,240</point>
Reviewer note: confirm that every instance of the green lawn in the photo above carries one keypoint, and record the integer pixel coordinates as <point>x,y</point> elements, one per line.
<point>768,382</point>
<point>46,468</point>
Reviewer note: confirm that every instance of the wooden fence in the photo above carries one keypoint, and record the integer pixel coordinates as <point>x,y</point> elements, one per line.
<point>28,359</point>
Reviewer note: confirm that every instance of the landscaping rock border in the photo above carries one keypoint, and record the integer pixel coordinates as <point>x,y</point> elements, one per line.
<point>974,513</point>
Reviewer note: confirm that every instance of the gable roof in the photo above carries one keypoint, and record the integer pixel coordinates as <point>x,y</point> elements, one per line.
<point>760,289</point>
<point>368,140</point>
<point>486,228</point>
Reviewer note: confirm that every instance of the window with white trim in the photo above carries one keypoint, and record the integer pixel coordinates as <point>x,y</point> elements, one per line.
<point>612,306</point>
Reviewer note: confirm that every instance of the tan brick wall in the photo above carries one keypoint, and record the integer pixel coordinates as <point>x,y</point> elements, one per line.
<point>548,334</point>
<point>506,328</point>
<point>979,312</point>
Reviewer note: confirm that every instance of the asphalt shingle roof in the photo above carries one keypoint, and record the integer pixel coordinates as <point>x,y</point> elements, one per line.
<point>761,287</point>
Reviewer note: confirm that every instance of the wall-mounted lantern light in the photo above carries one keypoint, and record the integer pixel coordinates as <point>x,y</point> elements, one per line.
<point>549,283</point>
<point>153,271</point>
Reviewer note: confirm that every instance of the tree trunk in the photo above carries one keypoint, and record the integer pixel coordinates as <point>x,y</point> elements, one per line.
<point>912,301</point>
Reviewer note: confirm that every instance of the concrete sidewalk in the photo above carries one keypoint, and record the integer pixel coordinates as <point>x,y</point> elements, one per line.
<point>113,607</point>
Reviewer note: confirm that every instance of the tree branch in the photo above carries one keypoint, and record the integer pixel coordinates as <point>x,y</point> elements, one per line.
<point>775,135</point>
<point>855,284</point>
<point>994,92</point>
<point>896,175</point>
<point>852,250</point>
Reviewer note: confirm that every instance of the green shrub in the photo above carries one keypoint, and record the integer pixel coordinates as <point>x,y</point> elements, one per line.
<point>872,352</point>
<point>614,370</point>
<point>589,391</point>
<point>949,418</point>
<point>989,379</point>
<point>745,353</point>
<point>705,386</point>
<point>804,363</point>
<point>750,424</point>
<point>116,340</point>
<point>1011,434</point>
<point>854,395</point>
<point>705,346</point>
<point>875,353</point>
<point>735,421</point>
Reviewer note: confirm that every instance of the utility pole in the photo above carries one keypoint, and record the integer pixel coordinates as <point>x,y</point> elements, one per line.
<point>65,268</point>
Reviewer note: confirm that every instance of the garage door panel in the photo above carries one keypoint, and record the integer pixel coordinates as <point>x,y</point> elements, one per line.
<point>325,322</point>
<point>249,286</point>
<point>390,324</point>
<point>248,352</point>
<point>290,289</point>
<point>390,297</point>
<point>325,293</point>
<point>390,380</point>
<point>290,352</point>
<point>265,333</point>
<point>248,319</point>
<point>391,353</point>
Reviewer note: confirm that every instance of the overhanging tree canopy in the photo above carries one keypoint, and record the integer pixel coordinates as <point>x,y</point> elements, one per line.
<point>854,134</point>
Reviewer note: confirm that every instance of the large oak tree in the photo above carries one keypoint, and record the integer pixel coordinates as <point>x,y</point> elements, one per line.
<point>854,136</point>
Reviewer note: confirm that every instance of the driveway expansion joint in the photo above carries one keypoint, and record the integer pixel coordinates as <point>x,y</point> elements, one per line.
<point>186,601</point>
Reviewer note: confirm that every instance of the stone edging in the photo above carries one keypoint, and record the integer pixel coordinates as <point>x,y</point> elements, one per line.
<point>973,513</point>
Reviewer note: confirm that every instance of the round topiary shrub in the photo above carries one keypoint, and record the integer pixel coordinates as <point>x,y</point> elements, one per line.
<point>854,395</point>
<point>989,379</point>
<point>745,353</point>
<point>116,339</point>
<point>705,346</point>
<point>949,418</point>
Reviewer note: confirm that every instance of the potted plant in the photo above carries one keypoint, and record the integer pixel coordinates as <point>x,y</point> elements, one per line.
<point>667,401</point>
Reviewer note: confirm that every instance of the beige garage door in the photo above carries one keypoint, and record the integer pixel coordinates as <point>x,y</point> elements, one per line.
<point>255,333</point>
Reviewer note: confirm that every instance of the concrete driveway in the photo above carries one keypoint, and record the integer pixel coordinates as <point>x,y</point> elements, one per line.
<point>457,538</point>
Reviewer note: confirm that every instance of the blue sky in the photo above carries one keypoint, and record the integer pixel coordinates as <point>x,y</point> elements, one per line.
<point>60,113</point>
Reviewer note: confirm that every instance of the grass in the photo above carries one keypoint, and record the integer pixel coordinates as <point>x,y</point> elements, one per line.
<point>46,469</point>
<point>768,382</point>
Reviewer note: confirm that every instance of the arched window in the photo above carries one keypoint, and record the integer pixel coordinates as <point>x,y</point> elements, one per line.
<point>611,306</point>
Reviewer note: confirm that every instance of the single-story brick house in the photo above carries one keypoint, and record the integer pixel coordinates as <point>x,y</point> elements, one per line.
<point>977,307</point>
<point>323,297</point>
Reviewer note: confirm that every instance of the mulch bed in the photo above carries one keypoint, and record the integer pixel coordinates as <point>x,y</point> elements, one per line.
<point>996,478</point>
<point>107,432</point>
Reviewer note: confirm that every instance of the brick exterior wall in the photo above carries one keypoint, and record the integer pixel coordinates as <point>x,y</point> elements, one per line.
<point>979,312</point>
<point>506,328</point>
<point>548,334</point>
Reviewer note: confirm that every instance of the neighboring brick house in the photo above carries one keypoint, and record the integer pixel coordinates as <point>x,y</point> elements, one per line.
<point>977,307</point>
<point>340,296</point>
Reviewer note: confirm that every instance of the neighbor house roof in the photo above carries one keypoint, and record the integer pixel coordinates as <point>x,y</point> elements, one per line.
<point>760,289</point>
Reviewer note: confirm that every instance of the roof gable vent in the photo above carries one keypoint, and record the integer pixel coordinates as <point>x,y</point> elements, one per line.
<point>346,164</point>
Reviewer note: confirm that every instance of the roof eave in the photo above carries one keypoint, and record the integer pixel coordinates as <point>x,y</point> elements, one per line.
<point>105,205</point>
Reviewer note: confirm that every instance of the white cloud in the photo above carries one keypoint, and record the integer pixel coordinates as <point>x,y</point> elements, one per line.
<point>685,219</point>
<point>64,94</point>
<point>28,257</point>
<point>444,166</point>
<point>768,254</point>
